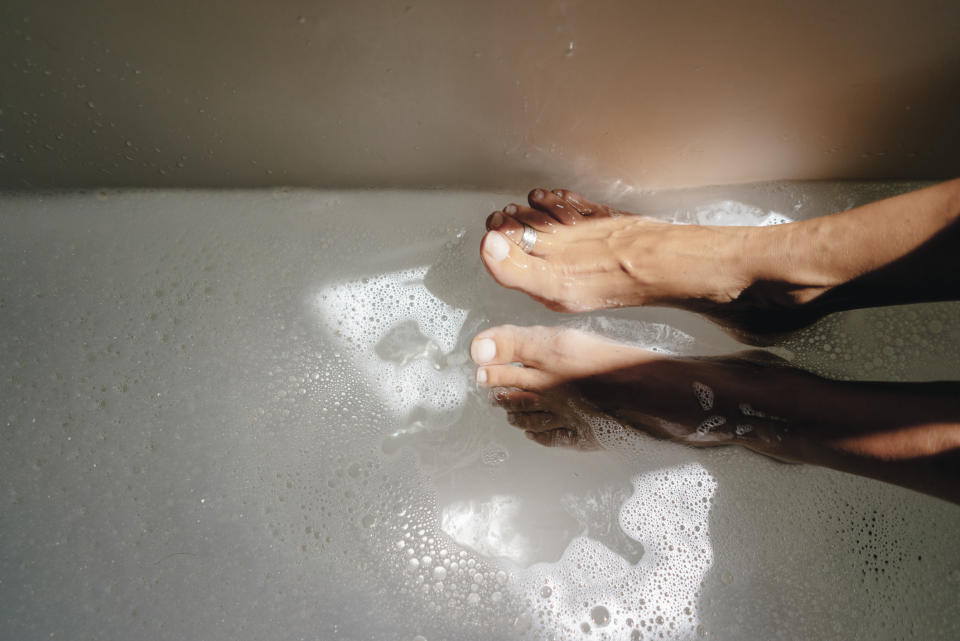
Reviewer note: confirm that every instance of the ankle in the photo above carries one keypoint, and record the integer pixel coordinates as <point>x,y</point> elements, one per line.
<point>793,267</point>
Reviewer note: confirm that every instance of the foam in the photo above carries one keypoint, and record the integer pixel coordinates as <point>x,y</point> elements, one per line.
<point>704,395</point>
<point>711,423</point>
<point>262,417</point>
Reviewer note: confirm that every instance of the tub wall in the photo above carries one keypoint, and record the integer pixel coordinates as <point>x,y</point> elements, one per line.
<point>495,93</point>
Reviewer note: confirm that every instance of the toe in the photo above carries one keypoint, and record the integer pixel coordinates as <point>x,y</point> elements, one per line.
<point>583,206</point>
<point>510,224</point>
<point>517,400</point>
<point>513,344</point>
<point>524,378</point>
<point>533,421</point>
<point>506,225</point>
<point>514,268</point>
<point>550,203</point>
<point>537,219</point>
<point>495,220</point>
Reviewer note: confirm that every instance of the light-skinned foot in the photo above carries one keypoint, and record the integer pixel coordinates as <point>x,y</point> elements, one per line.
<point>755,281</point>
<point>556,383</point>
<point>565,387</point>
<point>590,256</point>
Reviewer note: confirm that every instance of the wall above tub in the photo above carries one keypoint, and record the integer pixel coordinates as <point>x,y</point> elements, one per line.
<point>495,94</point>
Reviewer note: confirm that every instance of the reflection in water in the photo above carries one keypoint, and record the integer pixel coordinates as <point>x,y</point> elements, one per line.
<point>594,521</point>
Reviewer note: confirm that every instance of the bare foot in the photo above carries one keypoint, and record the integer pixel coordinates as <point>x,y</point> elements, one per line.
<point>570,388</point>
<point>569,381</point>
<point>589,256</point>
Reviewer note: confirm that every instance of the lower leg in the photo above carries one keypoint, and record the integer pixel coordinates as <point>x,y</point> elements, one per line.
<point>759,279</point>
<point>899,250</point>
<point>908,434</point>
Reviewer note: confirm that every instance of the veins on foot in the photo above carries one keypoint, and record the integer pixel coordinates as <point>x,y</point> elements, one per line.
<point>589,256</point>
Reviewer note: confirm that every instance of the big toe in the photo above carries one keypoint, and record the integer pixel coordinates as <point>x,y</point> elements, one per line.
<point>499,349</point>
<point>510,344</point>
<point>514,268</point>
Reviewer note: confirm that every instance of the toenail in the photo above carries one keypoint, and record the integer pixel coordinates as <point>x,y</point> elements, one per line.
<point>558,192</point>
<point>529,435</point>
<point>496,220</point>
<point>497,246</point>
<point>481,376</point>
<point>483,350</point>
<point>538,194</point>
<point>510,209</point>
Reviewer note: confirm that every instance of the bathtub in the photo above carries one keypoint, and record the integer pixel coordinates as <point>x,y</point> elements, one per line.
<point>233,408</point>
<point>250,414</point>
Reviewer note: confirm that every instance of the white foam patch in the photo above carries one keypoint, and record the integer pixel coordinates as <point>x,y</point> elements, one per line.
<point>668,514</point>
<point>488,527</point>
<point>399,336</point>
<point>730,212</point>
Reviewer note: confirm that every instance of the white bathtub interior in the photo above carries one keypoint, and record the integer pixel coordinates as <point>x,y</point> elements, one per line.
<point>250,415</point>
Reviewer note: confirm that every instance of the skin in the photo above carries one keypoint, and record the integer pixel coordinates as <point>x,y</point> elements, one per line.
<point>755,281</point>
<point>903,433</point>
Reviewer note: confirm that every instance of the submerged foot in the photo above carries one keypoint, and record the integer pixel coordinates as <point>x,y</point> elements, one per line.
<point>568,382</point>
<point>588,256</point>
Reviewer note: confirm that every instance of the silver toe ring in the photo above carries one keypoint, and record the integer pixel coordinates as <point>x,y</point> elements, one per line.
<point>529,238</point>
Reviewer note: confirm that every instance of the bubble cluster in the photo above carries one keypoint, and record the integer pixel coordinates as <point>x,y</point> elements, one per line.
<point>904,343</point>
<point>704,395</point>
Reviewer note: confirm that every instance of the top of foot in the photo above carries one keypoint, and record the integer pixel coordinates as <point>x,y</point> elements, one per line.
<point>588,256</point>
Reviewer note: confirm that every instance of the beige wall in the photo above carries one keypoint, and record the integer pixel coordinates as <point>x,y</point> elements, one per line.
<point>506,94</point>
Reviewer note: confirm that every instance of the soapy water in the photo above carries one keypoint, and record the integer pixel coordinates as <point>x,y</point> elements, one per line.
<point>264,417</point>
